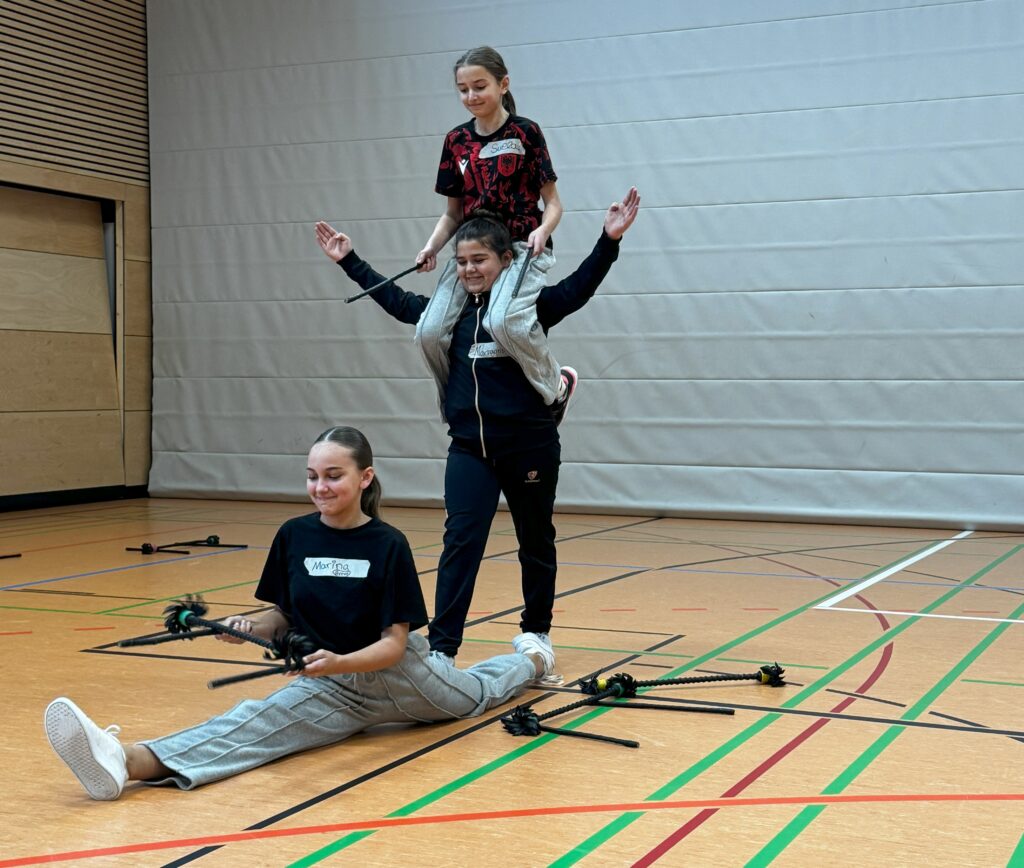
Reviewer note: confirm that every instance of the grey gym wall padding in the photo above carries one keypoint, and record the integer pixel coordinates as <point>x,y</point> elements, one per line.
<point>818,314</point>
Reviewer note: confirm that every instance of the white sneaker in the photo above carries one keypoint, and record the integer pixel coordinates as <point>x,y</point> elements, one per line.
<point>444,658</point>
<point>540,644</point>
<point>93,754</point>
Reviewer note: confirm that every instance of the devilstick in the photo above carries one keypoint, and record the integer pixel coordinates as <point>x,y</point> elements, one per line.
<point>365,292</point>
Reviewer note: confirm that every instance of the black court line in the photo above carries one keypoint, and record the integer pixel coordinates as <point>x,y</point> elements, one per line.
<point>561,539</point>
<point>381,770</point>
<point>89,594</point>
<point>865,696</point>
<point>970,723</point>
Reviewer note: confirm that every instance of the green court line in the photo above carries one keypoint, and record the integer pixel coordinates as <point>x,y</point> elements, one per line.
<point>598,838</point>
<point>471,777</point>
<point>1000,683</point>
<point>1017,856</point>
<point>69,612</point>
<point>176,597</point>
<point>802,820</point>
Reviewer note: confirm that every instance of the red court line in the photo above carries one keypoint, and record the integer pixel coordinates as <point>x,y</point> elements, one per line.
<point>774,759</point>
<point>511,814</point>
<point>18,633</point>
<point>699,819</point>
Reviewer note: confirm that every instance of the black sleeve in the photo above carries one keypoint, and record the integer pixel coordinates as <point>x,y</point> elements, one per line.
<point>543,170</point>
<point>449,179</point>
<point>273,586</point>
<point>403,598</point>
<point>404,306</point>
<point>567,296</point>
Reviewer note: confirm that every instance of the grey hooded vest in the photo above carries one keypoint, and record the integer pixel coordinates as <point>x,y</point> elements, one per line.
<point>511,319</point>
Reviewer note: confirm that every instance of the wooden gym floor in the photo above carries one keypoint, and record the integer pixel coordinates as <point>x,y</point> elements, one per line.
<point>899,739</point>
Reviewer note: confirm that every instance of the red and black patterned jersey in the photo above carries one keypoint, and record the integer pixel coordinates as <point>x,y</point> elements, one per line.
<point>502,172</point>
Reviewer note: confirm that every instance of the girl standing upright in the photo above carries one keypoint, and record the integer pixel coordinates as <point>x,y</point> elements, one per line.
<point>483,337</point>
<point>497,161</point>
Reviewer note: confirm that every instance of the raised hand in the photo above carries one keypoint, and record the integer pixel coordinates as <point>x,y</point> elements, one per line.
<point>621,215</point>
<point>334,244</point>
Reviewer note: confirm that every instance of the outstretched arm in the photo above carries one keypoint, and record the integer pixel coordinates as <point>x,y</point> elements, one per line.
<point>404,306</point>
<point>569,295</point>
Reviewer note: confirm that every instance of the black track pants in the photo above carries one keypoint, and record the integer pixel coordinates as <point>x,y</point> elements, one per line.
<point>471,488</point>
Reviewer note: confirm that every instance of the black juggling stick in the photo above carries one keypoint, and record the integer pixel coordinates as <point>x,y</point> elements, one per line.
<point>359,295</point>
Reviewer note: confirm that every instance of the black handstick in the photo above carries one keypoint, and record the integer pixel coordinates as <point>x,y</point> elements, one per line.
<point>522,272</point>
<point>359,295</point>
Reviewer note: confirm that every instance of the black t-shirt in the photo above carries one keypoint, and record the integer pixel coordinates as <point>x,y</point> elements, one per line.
<point>341,588</point>
<point>502,172</point>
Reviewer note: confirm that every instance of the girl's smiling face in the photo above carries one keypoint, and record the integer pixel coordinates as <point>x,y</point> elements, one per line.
<point>480,91</point>
<point>478,266</point>
<point>335,483</point>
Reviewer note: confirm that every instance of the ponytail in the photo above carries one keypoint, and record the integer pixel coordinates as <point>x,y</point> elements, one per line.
<point>356,443</point>
<point>369,501</point>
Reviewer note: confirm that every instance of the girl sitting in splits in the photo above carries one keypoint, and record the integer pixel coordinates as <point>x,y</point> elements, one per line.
<point>346,580</point>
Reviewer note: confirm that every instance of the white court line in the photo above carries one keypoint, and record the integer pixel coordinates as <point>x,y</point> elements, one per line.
<point>895,568</point>
<point>923,615</point>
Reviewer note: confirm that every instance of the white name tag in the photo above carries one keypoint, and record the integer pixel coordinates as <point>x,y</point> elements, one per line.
<point>486,351</point>
<point>502,146</point>
<point>342,568</point>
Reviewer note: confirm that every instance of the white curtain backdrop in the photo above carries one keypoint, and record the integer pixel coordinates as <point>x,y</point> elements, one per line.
<point>818,314</point>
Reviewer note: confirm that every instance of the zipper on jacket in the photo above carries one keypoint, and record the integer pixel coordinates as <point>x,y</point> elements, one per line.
<point>476,382</point>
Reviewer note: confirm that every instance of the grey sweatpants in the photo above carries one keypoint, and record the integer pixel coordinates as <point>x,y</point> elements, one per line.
<point>313,712</point>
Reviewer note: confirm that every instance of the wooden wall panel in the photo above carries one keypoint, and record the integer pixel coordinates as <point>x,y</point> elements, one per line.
<point>136,224</point>
<point>60,451</point>
<point>138,384</point>
<point>138,312</point>
<point>44,292</point>
<point>74,121</point>
<point>58,374</point>
<point>137,428</point>
<point>47,371</point>
<point>51,224</point>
